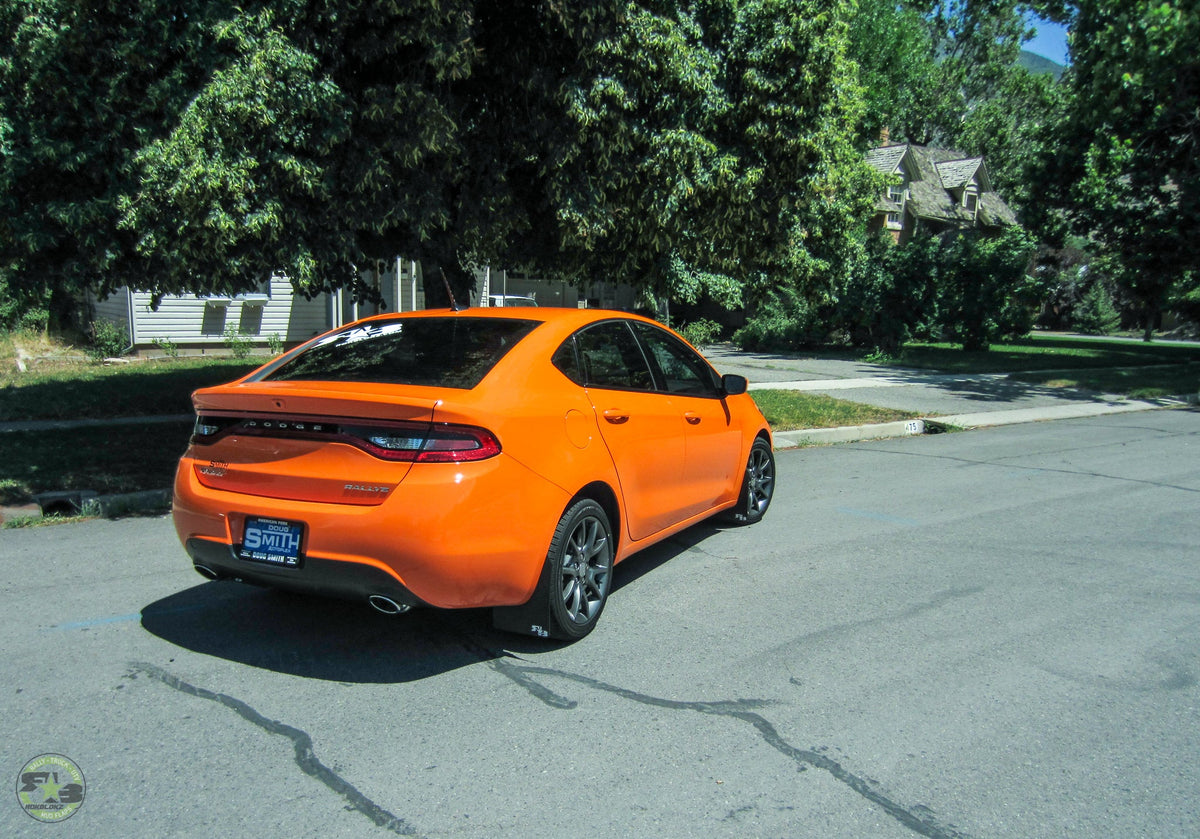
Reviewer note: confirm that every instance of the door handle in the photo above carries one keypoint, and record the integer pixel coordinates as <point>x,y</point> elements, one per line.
<point>692,419</point>
<point>616,416</point>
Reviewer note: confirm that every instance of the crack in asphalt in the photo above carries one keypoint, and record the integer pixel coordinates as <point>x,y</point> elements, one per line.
<point>306,759</point>
<point>919,819</point>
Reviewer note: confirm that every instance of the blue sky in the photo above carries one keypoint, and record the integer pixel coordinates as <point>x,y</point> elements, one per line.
<point>1050,41</point>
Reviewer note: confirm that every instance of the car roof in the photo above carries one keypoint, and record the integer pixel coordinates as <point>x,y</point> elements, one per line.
<point>569,318</point>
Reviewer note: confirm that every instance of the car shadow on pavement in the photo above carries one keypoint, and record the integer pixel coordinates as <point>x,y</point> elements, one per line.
<point>346,641</point>
<point>320,638</point>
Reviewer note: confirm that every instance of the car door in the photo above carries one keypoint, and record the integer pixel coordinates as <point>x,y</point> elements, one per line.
<point>640,426</point>
<point>712,465</point>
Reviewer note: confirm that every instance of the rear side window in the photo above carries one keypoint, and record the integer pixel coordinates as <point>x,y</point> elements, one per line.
<point>443,352</point>
<point>605,355</point>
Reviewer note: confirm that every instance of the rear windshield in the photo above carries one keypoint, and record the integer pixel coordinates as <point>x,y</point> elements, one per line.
<point>445,352</point>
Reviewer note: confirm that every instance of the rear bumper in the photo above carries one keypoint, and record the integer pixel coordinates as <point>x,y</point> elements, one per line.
<point>326,577</point>
<point>478,539</point>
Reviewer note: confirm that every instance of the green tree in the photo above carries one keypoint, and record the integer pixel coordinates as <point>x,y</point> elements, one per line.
<point>1009,129</point>
<point>888,293</point>
<point>890,44</point>
<point>82,87</point>
<point>972,48</point>
<point>983,291</point>
<point>686,146</point>
<point>1123,164</point>
<point>1095,313</point>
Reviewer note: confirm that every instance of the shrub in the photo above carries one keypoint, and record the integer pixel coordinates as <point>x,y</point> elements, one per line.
<point>886,293</point>
<point>109,340</point>
<point>168,347</point>
<point>21,309</point>
<point>1095,313</point>
<point>701,331</point>
<point>237,344</point>
<point>983,292</point>
<point>783,322</point>
<point>275,343</point>
<point>34,320</point>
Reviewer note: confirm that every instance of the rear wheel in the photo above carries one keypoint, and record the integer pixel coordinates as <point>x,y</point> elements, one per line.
<point>758,484</point>
<point>579,566</point>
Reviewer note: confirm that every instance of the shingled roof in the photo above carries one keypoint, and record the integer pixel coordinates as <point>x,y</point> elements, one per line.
<point>887,158</point>
<point>956,174</point>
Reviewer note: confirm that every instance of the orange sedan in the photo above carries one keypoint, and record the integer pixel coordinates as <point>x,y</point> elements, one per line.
<point>495,457</point>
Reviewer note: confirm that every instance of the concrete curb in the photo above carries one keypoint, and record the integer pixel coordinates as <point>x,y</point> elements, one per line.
<point>89,503</point>
<point>848,434</point>
<point>985,419</point>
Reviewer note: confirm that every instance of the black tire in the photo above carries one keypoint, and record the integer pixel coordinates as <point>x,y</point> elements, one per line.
<point>579,569</point>
<point>758,485</point>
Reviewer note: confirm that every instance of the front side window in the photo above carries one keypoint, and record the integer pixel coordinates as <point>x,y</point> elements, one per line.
<point>441,352</point>
<point>680,369</point>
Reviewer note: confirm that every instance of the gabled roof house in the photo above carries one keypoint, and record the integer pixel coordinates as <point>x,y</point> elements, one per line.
<point>935,189</point>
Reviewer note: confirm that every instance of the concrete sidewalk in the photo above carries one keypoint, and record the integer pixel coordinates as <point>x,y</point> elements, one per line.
<point>942,401</point>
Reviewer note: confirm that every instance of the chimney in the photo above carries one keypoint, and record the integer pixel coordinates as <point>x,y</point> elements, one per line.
<point>884,136</point>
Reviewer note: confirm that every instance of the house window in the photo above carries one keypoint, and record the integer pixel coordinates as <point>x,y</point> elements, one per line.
<point>896,193</point>
<point>971,201</point>
<point>894,221</point>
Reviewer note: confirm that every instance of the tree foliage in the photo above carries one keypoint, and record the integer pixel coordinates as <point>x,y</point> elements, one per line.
<point>688,147</point>
<point>1124,160</point>
<point>960,286</point>
<point>83,87</point>
<point>970,55</point>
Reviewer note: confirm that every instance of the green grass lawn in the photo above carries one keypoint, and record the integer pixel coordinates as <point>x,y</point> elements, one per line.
<point>789,410</point>
<point>1136,382</point>
<point>107,459</point>
<point>89,391</point>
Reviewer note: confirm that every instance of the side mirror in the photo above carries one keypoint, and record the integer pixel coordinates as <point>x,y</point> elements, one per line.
<point>733,384</point>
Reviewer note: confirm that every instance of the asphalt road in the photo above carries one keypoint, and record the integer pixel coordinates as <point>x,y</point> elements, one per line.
<point>992,634</point>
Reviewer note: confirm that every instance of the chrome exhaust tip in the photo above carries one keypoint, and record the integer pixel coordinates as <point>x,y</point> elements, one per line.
<point>206,572</point>
<point>387,605</point>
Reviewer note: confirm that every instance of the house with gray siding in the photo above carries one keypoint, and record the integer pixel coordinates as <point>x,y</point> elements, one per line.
<point>199,325</point>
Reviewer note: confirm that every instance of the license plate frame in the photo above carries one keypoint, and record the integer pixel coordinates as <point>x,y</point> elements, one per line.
<point>274,542</point>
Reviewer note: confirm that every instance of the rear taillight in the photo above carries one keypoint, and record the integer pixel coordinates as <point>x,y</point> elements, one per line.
<point>437,443</point>
<point>411,442</point>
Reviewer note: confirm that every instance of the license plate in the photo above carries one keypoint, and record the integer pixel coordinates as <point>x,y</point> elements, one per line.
<point>272,541</point>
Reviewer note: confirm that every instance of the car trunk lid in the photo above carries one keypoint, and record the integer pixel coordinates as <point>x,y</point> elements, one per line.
<point>323,442</point>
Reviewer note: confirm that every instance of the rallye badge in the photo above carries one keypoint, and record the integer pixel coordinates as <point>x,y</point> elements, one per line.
<point>367,488</point>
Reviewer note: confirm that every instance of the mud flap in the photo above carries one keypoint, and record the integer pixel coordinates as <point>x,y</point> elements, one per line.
<point>531,617</point>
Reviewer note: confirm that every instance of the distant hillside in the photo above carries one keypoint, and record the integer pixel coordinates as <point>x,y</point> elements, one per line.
<point>1037,64</point>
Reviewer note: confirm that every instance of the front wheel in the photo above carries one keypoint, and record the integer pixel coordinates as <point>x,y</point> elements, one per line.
<point>758,484</point>
<point>579,565</point>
